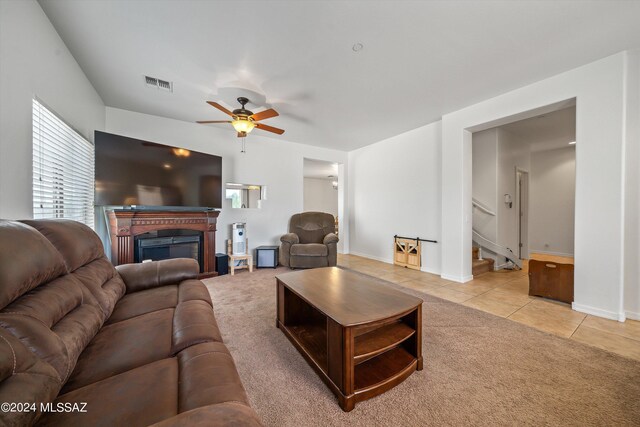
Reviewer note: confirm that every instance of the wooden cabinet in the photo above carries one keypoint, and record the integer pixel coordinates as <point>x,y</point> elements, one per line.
<point>550,279</point>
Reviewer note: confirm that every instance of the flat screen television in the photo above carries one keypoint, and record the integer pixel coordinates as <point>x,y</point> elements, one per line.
<point>144,174</point>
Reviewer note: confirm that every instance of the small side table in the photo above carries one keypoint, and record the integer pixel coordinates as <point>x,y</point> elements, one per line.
<point>248,260</point>
<point>248,263</point>
<point>267,256</point>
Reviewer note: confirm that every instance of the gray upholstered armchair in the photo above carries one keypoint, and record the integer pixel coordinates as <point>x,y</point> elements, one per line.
<point>311,241</point>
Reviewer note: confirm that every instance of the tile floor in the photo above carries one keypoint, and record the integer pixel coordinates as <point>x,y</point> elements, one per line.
<point>505,294</point>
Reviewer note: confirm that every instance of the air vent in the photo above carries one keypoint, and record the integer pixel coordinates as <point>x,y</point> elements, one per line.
<point>158,84</point>
<point>163,84</point>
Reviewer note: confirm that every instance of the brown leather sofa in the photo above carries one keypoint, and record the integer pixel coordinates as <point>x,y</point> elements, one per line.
<point>136,346</point>
<point>311,241</point>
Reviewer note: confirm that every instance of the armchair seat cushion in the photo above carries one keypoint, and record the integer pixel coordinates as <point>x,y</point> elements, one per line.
<point>309,249</point>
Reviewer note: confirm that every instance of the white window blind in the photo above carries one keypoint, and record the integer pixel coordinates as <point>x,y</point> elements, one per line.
<point>63,169</point>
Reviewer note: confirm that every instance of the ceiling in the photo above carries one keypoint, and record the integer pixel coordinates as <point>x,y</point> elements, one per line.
<point>320,169</point>
<point>420,59</point>
<point>548,131</point>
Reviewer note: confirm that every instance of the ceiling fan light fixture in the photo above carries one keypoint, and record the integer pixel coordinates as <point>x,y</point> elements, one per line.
<point>241,124</point>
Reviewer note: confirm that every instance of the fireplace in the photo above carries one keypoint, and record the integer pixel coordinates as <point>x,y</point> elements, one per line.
<point>167,244</point>
<point>138,235</point>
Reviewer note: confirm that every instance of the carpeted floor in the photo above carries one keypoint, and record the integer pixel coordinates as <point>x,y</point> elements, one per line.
<point>479,369</point>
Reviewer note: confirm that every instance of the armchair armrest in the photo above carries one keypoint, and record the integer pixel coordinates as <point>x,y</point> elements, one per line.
<point>330,238</point>
<point>147,275</point>
<point>290,238</point>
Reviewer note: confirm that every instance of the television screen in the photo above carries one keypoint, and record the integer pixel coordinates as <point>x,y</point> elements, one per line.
<point>134,172</point>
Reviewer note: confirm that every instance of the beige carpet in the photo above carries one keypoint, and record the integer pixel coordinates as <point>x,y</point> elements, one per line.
<point>479,369</point>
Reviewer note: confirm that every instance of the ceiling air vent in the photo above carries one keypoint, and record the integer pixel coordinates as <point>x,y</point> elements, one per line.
<point>158,84</point>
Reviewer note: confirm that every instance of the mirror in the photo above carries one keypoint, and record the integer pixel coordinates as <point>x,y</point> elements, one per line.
<point>245,196</point>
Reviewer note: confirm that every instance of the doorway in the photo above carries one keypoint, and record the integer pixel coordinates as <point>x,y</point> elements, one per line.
<point>322,190</point>
<point>522,207</point>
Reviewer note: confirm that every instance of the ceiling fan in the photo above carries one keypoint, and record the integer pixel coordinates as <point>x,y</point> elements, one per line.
<point>244,120</point>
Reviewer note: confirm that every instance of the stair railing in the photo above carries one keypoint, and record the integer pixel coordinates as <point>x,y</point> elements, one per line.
<point>496,248</point>
<point>483,208</point>
<point>491,245</point>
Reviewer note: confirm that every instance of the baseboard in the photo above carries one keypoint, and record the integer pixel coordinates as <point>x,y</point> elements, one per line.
<point>385,260</point>
<point>390,261</point>
<point>632,315</point>
<point>532,251</point>
<point>459,279</point>
<point>428,270</point>
<point>620,317</point>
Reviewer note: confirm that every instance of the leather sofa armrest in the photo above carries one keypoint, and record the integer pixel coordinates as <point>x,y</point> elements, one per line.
<point>218,415</point>
<point>290,238</point>
<point>147,275</point>
<point>330,238</point>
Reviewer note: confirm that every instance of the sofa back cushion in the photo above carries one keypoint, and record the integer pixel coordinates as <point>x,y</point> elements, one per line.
<point>84,257</point>
<point>57,312</point>
<point>311,227</point>
<point>27,259</point>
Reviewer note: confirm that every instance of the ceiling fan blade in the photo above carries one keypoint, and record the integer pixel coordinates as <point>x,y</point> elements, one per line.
<point>269,128</point>
<point>220,107</point>
<point>266,114</point>
<point>204,122</point>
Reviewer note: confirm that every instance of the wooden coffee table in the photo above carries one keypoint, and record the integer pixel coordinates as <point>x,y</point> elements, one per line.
<point>361,336</point>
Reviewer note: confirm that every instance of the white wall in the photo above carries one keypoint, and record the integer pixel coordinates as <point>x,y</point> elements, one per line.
<point>34,62</point>
<point>599,88</point>
<point>485,184</point>
<point>552,201</point>
<point>268,161</point>
<point>320,196</point>
<point>632,188</point>
<point>395,189</point>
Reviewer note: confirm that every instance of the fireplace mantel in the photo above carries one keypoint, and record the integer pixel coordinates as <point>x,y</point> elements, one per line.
<point>125,224</point>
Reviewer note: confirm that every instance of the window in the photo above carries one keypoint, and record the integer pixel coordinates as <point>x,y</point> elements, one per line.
<point>63,169</point>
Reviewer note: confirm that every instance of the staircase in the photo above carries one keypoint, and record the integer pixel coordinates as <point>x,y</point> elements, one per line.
<point>480,266</point>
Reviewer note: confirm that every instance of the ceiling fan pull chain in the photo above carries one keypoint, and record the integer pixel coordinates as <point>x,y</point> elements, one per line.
<point>243,150</point>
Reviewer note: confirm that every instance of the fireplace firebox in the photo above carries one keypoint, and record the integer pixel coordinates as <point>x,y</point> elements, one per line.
<point>167,244</point>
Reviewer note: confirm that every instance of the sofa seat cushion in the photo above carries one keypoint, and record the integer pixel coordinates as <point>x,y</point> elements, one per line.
<point>144,339</point>
<point>122,346</point>
<point>139,397</point>
<point>154,299</point>
<point>197,381</point>
<point>309,249</point>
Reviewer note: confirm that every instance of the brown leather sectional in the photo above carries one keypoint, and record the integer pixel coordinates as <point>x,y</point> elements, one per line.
<point>136,346</point>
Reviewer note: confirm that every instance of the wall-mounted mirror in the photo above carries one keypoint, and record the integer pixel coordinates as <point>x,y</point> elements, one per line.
<point>245,196</point>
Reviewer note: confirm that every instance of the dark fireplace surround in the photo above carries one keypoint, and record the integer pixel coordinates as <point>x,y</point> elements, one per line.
<point>138,235</point>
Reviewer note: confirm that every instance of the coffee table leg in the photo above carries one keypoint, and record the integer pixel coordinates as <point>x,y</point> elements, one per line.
<point>347,403</point>
<point>418,323</point>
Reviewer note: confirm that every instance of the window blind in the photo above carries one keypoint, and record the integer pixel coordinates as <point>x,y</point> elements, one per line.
<point>63,169</point>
